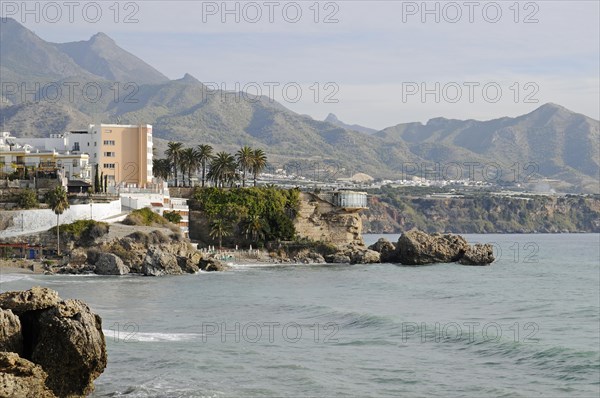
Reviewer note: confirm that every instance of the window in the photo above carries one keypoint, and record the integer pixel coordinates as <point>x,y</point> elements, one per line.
<point>94,143</point>
<point>109,154</point>
<point>74,162</point>
<point>109,142</point>
<point>109,165</point>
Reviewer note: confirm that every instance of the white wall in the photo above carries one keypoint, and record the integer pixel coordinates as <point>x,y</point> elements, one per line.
<point>31,221</point>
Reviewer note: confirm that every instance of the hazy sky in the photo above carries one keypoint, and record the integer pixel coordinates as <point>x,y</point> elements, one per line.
<point>477,60</point>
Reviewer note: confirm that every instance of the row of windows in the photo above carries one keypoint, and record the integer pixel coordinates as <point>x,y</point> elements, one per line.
<point>109,142</point>
<point>109,165</point>
<point>109,154</point>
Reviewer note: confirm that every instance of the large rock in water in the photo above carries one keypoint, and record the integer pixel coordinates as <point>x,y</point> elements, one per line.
<point>63,337</point>
<point>22,378</point>
<point>479,254</point>
<point>417,248</point>
<point>386,250</point>
<point>159,262</point>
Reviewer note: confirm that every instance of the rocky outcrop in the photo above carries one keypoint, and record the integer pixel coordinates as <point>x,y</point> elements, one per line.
<point>353,254</point>
<point>417,248</point>
<point>319,220</point>
<point>308,257</point>
<point>479,254</point>
<point>22,378</point>
<point>211,265</point>
<point>63,347</point>
<point>385,248</point>
<point>110,264</point>
<point>151,254</point>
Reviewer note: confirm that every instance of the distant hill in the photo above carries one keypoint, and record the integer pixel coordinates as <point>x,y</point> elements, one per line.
<point>562,144</point>
<point>331,118</point>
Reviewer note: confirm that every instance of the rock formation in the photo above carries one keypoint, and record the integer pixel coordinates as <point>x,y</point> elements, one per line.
<point>418,248</point>
<point>61,349</point>
<point>385,248</point>
<point>479,254</point>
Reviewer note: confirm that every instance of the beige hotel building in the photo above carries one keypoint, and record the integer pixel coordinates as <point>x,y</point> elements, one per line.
<point>122,152</point>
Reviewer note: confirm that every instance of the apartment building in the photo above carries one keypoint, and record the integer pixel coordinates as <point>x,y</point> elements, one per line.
<point>123,153</point>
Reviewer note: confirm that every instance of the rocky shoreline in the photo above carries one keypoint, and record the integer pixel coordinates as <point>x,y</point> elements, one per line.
<point>49,347</point>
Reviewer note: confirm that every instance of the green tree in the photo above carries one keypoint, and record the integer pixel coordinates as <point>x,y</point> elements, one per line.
<point>205,155</point>
<point>173,153</point>
<point>162,168</point>
<point>258,163</point>
<point>245,159</point>
<point>96,179</point>
<point>172,216</point>
<point>220,228</point>
<point>189,163</point>
<point>254,226</point>
<point>58,202</point>
<point>223,169</point>
<point>27,199</point>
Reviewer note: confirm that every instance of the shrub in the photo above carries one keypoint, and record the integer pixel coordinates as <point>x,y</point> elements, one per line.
<point>27,199</point>
<point>172,216</point>
<point>83,232</point>
<point>145,217</point>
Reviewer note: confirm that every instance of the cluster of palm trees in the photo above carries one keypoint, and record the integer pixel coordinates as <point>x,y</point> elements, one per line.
<point>222,169</point>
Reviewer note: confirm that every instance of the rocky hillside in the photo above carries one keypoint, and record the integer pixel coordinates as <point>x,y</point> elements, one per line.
<point>393,213</point>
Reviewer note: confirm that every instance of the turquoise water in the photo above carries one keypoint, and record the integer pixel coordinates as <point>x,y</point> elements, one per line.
<point>526,326</point>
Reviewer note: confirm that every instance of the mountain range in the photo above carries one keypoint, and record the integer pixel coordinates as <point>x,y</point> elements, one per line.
<point>551,141</point>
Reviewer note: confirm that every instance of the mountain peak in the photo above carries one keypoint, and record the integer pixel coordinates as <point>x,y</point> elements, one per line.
<point>101,37</point>
<point>187,78</point>
<point>331,118</point>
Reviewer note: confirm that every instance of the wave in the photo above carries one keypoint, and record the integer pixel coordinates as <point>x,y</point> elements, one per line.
<point>6,278</point>
<point>155,337</point>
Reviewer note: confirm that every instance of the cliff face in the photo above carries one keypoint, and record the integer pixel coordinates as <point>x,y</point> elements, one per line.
<point>393,213</point>
<point>319,220</point>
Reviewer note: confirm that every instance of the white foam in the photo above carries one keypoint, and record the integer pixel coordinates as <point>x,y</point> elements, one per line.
<point>145,337</point>
<point>5,278</point>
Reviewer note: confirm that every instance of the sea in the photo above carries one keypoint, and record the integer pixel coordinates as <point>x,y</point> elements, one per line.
<point>526,326</point>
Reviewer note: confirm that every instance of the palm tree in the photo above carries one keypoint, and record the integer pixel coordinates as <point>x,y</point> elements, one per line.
<point>161,168</point>
<point>244,159</point>
<point>259,162</point>
<point>223,169</point>
<point>58,202</point>
<point>255,227</point>
<point>220,228</point>
<point>174,155</point>
<point>205,154</point>
<point>189,163</point>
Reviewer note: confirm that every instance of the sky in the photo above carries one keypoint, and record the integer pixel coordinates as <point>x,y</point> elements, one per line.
<point>373,63</point>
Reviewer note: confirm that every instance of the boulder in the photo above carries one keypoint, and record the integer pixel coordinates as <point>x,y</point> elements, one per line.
<point>365,256</point>
<point>417,248</point>
<point>22,378</point>
<point>11,338</point>
<point>36,298</point>
<point>338,258</point>
<point>158,262</point>
<point>309,257</point>
<point>386,250</point>
<point>70,346</point>
<point>479,254</point>
<point>211,264</point>
<point>188,265</point>
<point>110,264</point>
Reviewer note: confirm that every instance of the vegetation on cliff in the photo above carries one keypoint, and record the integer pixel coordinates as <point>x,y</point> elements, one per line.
<point>392,211</point>
<point>248,214</point>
